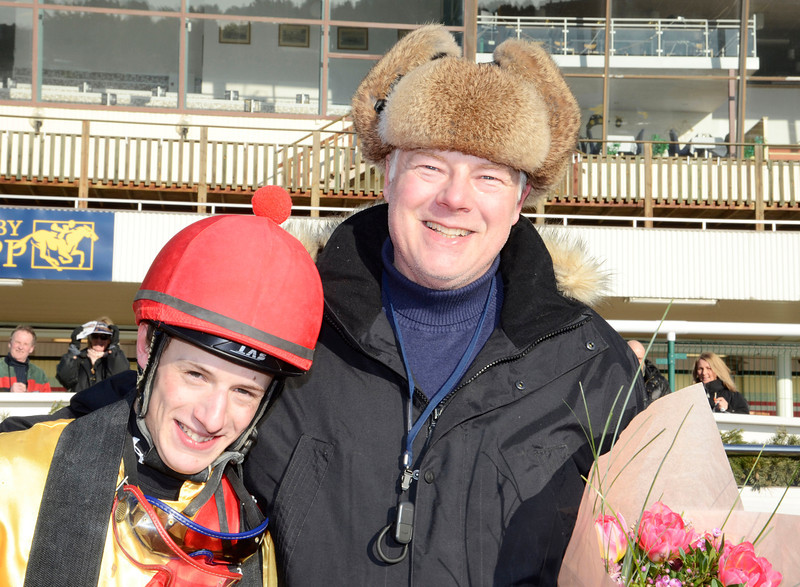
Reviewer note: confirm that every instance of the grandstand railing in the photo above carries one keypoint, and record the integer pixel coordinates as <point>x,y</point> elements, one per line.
<point>659,37</point>
<point>204,165</point>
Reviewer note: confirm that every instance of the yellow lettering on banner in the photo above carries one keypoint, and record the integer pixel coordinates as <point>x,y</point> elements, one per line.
<point>12,224</point>
<point>10,253</point>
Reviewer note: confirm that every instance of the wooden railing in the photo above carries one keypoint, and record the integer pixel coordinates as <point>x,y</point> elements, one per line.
<point>328,163</point>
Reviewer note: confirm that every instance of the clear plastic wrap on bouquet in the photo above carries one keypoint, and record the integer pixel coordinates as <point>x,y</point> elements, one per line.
<point>694,480</point>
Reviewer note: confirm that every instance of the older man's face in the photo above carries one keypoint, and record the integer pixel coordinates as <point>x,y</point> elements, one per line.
<point>449,215</point>
<point>21,345</point>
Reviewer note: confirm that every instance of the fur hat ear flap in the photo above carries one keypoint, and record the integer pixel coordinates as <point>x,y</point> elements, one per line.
<point>530,61</point>
<point>417,48</point>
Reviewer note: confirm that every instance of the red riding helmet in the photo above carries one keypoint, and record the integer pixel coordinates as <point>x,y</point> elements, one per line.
<point>239,286</point>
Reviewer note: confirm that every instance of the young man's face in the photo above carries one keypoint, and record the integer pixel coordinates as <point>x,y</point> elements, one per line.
<point>21,345</point>
<point>449,215</point>
<point>200,404</point>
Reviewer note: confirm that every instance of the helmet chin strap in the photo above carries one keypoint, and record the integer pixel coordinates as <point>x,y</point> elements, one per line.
<point>233,455</point>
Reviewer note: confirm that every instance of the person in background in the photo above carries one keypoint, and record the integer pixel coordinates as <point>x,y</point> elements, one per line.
<point>713,373</point>
<point>147,489</point>
<point>102,358</point>
<point>17,373</point>
<point>655,384</point>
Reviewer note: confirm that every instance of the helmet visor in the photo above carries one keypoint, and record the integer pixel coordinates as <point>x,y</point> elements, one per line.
<point>234,351</point>
<point>163,530</point>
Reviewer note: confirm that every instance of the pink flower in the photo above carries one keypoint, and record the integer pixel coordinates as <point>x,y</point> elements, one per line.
<point>740,565</point>
<point>612,538</point>
<point>713,537</point>
<point>662,533</point>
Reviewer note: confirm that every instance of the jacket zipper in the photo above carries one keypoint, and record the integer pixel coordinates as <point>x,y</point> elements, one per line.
<point>437,412</point>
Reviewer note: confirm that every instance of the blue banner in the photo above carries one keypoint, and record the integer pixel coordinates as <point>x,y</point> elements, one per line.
<point>56,244</point>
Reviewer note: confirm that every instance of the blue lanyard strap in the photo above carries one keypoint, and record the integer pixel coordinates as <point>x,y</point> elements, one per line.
<point>447,386</point>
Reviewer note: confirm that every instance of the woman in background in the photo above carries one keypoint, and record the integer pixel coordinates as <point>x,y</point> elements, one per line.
<point>713,373</point>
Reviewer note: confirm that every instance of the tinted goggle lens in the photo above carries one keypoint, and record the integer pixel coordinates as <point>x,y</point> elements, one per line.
<point>163,530</point>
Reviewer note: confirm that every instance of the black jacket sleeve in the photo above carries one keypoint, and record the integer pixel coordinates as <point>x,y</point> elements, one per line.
<point>104,393</point>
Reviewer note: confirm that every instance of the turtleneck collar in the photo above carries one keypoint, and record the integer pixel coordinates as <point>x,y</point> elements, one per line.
<point>432,309</point>
<point>14,363</point>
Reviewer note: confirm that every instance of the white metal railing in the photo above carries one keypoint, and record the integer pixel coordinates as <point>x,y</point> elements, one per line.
<point>144,205</point>
<point>756,429</point>
<point>672,37</point>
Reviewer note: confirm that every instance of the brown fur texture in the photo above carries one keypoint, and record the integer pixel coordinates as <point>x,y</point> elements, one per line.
<point>517,111</point>
<point>415,49</point>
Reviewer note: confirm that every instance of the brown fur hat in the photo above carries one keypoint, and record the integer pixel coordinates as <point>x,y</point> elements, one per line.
<point>517,111</point>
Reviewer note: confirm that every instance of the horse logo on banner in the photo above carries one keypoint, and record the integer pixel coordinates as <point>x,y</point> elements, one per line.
<point>61,245</point>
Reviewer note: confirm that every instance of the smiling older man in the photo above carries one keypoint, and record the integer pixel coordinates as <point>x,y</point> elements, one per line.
<point>17,373</point>
<point>440,438</point>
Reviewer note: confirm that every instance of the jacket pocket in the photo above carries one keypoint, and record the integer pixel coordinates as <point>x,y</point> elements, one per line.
<point>297,492</point>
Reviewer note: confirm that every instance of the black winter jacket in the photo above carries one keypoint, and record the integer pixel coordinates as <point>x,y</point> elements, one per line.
<point>76,372</point>
<point>500,470</point>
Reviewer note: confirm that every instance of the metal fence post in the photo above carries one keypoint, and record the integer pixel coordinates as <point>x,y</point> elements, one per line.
<point>671,359</point>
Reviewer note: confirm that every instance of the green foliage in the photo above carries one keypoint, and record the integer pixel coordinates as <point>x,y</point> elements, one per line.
<point>659,148</point>
<point>613,148</point>
<point>57,406</point>
<point>750,150</point>
<point>768,471</point>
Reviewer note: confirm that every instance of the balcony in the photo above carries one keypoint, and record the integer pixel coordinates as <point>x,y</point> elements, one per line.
<point>160,167</point>
<point>634,37</point>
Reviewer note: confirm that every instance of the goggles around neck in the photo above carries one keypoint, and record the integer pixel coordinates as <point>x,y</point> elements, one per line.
<point>164,531</point>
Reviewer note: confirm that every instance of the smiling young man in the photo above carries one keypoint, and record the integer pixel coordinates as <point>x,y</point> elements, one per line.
<point>148,490</point>
<point>441,437</point>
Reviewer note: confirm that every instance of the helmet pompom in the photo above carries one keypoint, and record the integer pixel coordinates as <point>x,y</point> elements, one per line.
<point>272,202</point>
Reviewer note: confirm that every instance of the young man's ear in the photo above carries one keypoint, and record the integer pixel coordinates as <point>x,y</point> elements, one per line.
<point>142,345</point>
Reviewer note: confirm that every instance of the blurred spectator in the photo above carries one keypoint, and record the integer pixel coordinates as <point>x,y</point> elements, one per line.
<point>655,384</point>
<point>17,373</point>
<point>79,369</point>
<point>713,373</point>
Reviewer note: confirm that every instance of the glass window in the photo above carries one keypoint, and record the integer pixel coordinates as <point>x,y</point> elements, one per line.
<point>16,35</point>
<point>447,12</point>
<point>160,5</point>
<point>242,66</point>
<point>359,40</point>
<point>344,75</point>
<point>272,8</point>
<point>100,59</point>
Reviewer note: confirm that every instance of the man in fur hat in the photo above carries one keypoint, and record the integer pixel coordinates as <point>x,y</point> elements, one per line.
<point>441,437</point>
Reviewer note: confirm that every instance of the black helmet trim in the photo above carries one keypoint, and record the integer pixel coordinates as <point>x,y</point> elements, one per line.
<point>235,352</point>
<point>226,322</point>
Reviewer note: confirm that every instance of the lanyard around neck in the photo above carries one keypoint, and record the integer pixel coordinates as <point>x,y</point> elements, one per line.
<point>447,386</point>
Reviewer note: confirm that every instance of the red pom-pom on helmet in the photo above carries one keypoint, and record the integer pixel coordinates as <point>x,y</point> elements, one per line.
<point>272,202</point>
<point>241,278</point>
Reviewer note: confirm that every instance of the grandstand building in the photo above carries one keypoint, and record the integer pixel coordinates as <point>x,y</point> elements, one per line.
<point>133,117</point>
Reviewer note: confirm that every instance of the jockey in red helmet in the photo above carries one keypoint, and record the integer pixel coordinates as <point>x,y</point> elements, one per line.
<point>231,306</point>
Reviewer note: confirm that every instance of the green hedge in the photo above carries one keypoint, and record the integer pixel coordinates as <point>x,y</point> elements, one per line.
<point>769,471</point>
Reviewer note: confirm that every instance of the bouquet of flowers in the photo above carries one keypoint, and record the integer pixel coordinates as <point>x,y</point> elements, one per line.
<point>672,453</point>
<point>664,551</point>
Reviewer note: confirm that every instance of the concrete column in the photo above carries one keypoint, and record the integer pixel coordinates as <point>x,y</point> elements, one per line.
<point>783,374</point>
